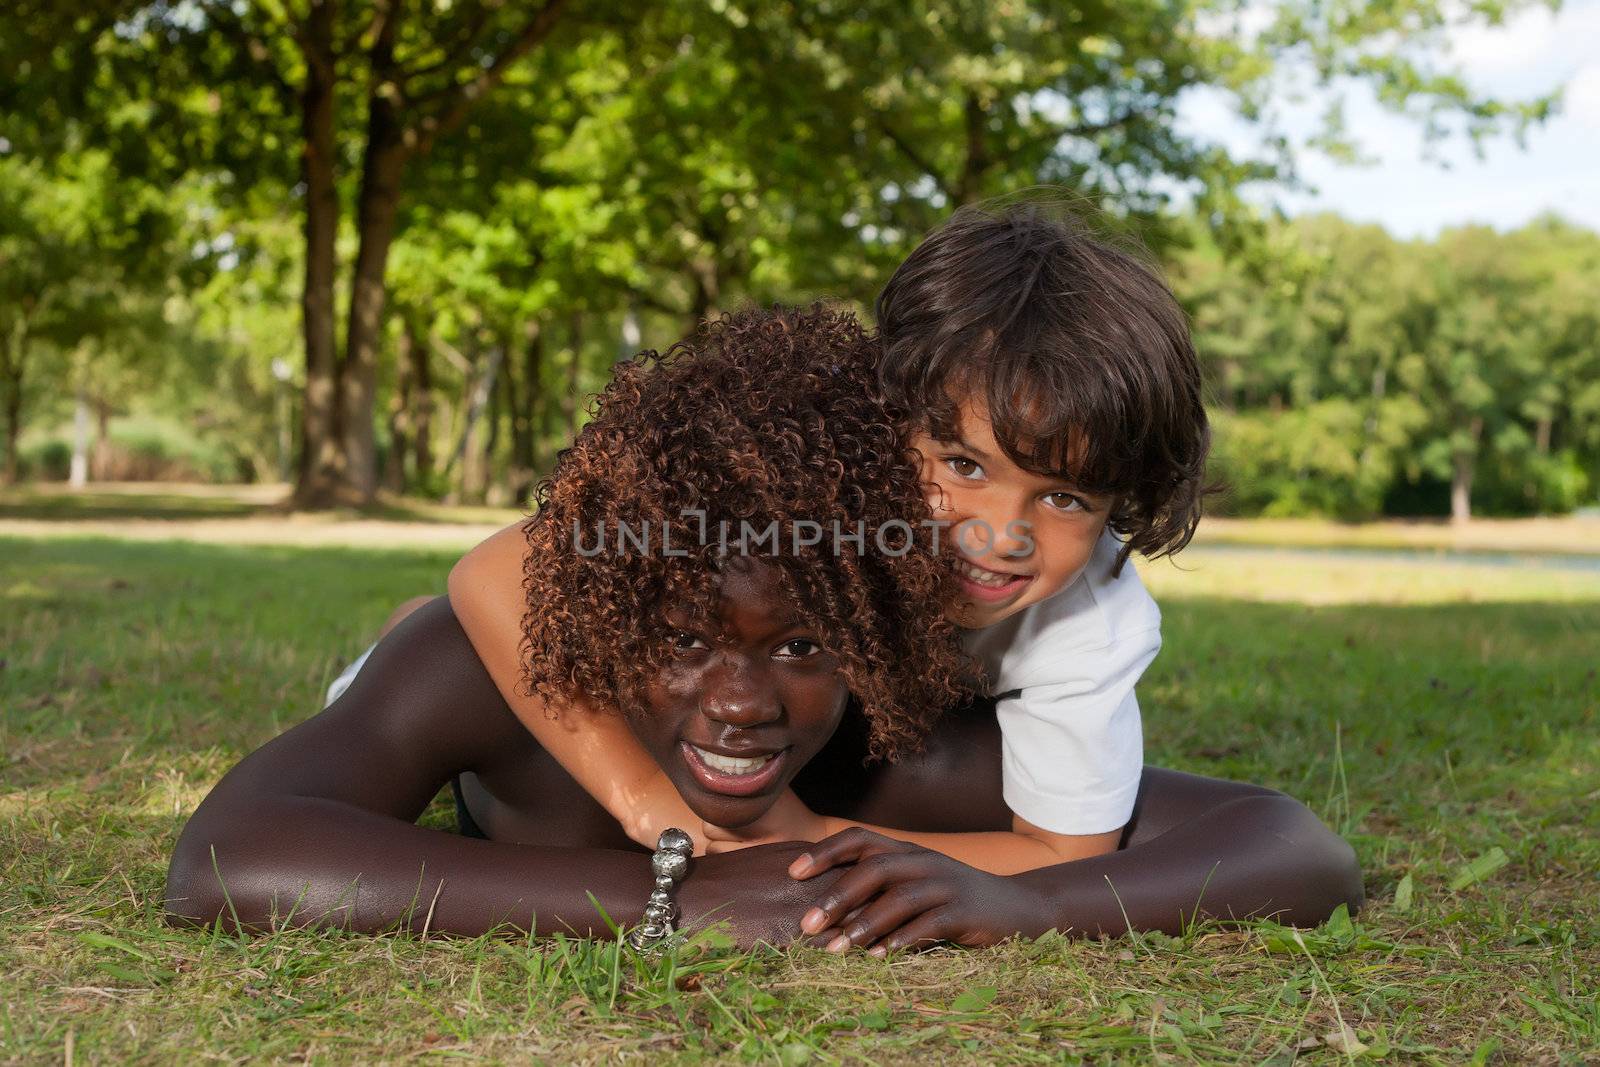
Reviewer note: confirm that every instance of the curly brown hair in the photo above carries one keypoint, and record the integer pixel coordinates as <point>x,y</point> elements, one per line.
<point>757,418</point>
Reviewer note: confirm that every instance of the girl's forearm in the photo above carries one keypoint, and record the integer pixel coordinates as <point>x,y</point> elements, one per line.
<point>317,862</point>
<point>1264,856</point>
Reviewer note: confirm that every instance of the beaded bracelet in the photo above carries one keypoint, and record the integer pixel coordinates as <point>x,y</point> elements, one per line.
<point>670,862</point>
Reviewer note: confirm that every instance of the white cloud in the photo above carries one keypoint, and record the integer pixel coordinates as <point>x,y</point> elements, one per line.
<point>1533,53</point>
<point>1515,44</point>
<point>1582,101</point>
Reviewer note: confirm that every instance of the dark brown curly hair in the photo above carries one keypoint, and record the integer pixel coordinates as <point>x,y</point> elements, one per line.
<point>757,418</point>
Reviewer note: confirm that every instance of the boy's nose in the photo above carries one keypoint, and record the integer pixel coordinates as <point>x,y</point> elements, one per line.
<point>738,695</point>
<point>1013,538</point>
<point>998,535</point>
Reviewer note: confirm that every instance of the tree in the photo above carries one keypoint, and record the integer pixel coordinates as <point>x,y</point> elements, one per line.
<point>718,151</point>
<point>415,74</point>
<point>84,260</point>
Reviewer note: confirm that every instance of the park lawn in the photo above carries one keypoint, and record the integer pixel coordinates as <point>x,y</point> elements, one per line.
<point>1443,717</point>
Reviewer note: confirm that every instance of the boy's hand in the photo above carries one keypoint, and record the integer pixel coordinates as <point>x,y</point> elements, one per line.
<point>900,895</point>
<point>788,820</point>
<point>644,827</point>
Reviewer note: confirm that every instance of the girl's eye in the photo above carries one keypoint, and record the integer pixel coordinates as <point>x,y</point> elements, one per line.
<point>1065,502</point>
<point>962,467</point>
<point>800,648</point>
<point>685,642</point>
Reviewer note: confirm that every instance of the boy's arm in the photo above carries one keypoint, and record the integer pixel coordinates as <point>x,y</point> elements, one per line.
<point>1073,754</point>
<point>1025,848</point>
<point>592,745</point>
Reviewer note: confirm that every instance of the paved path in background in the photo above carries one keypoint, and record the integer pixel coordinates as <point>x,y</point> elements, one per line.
<point>311,531</point>
<point>308,532</point>
<point>1570,561</point>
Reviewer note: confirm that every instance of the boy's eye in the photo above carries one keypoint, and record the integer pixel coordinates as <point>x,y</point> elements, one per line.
<point>962,467</point>
<point>1065,502</point>
<point>799,648</point>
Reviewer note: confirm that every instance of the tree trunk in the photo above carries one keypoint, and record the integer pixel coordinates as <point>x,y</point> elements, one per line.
<point>11,382</point>
<point>524,402</point>
<point>977,161</point>
<point>486,488</point>
<point>400,417</point>
<point>1541,435</point>
<point>571,404</point>
<point>382,168</point>
<point>1464,465</point>
<point>346,470</point>
<point>321,456</point>
<point>467,451</point>
<point>12,470</point>
<point>707,279</point>
<point>421,408</point>
<point>631,337</point>
<point>78,471</point>
<point>100,451</point>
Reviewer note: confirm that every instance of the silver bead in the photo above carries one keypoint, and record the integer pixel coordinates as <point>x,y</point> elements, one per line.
<point>673,839</point>
<point>670,865</point>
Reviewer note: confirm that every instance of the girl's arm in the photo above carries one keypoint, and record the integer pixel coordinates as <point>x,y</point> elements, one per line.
<point>593,745</point>
<point>316,827</point>
<point>1197,846</point>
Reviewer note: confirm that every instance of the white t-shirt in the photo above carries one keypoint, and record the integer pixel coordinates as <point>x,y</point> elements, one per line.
<point>1063,672</point>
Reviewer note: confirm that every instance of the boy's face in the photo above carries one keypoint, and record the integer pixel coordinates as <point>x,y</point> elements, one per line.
<point>1020,536</point>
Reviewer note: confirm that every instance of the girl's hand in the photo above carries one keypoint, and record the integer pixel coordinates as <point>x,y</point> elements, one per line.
<point>751,891</point>
<point>900,895</point>
<point>787,820</point>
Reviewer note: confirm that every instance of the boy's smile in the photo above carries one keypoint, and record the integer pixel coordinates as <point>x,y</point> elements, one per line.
<point>1019,536</point>
<point>989,586</point>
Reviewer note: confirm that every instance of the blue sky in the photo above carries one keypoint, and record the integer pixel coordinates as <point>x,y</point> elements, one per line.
<point>1532,53</point>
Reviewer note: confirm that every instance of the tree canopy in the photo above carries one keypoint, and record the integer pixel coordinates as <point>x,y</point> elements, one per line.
<point>446,217</point>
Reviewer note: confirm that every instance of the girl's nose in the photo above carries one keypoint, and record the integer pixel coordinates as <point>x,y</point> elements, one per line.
<point>738,695</point>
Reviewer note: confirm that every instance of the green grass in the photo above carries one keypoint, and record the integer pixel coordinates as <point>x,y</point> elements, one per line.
<point>1443,717</point>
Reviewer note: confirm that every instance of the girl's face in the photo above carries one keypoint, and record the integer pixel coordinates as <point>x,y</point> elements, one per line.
<point>742,707</point>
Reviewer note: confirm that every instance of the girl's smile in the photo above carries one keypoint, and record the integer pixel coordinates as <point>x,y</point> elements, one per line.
<point>744,703</point>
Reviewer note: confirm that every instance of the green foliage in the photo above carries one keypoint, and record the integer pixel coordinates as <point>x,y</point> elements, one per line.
<point>1353,374</point>
<point>641,167</point>
<point>1332,457</point>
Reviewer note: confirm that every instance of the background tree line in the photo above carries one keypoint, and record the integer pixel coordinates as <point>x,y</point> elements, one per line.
<point>1355,375</point>
<point>373,244</point>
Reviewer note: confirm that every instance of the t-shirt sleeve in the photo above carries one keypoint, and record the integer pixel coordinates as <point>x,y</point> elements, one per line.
<point>1073,749</point>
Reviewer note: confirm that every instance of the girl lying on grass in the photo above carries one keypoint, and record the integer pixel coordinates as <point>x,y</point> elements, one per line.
<point>745,667</point>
